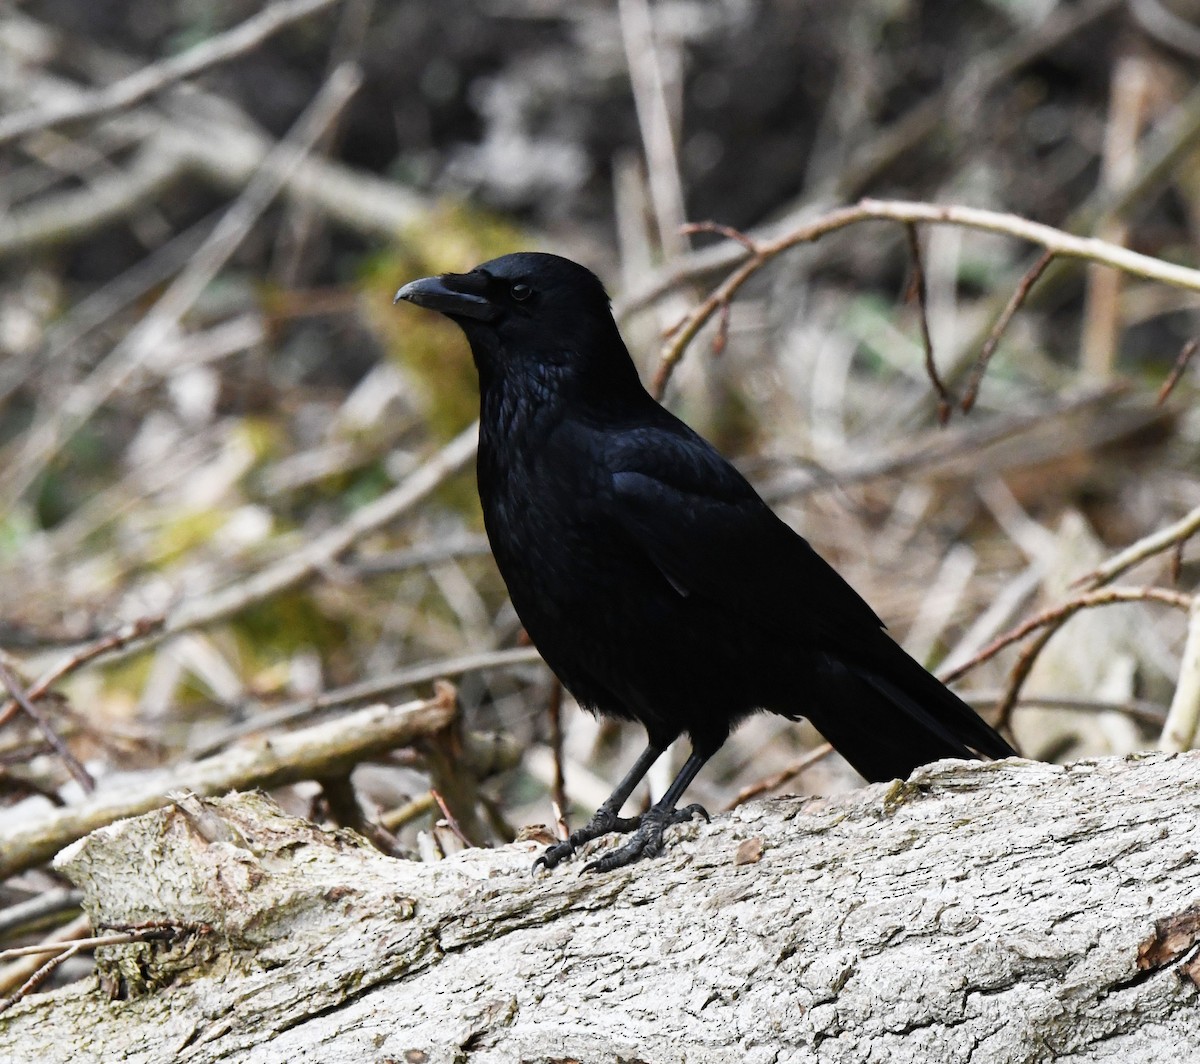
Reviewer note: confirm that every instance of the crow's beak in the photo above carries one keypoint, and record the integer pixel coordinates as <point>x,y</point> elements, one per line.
<point>457,295</point>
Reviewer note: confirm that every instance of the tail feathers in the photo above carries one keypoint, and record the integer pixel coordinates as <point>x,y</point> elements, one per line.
<point>886,725</point>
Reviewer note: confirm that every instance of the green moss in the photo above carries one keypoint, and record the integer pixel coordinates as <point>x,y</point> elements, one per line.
<point>452,238</point>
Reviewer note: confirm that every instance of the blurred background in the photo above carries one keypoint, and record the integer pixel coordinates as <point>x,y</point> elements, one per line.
<point>205,388</point>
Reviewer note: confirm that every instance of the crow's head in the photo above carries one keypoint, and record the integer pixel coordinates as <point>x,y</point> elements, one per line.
<point>530,312</point>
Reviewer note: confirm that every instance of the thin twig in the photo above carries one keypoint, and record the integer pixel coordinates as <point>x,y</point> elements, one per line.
<point>727,231</point>
<point>316,751</point>
<point>1006,315</point>
<point>1056,615</point>
<point>1020,673</point>
<point>19,695</point>
<point>1146,547</point>
<point>945,399</point>
<point>781,777</point>
<point>155,77</point>
<point>45,439</point>
<point>118,938</point>
<point>450,819</point>
<point>1177,370</point>
<point>39,977</point>
<point>1059,243</point>
<point>1183,718</point>
<point>558,786</point>
<point>125,635</point>
<point>654,122</point>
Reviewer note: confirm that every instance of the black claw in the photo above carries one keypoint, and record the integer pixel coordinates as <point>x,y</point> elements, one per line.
<point>601,824</point>
<point>554,855</point>
<point>647,840</point>
<point>681,816</point>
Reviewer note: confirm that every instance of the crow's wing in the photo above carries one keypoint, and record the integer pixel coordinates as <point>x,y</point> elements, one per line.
<point>710,535</point>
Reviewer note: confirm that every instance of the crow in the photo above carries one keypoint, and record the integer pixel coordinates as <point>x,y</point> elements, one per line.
<point>656,583</point>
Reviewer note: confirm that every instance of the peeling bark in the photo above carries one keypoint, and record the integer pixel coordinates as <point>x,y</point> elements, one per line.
<point>977,912</point>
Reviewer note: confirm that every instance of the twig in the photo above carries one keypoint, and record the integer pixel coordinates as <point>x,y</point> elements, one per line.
<point>106,645</point>
<point>395,819</point>
<point>318,554</point>
<point>917,290</point>
<point>981,76</point>
<point>1155,543</point>
<point>450,819</point>
<point>1178,370</point>
<point>727,231</point>
<point>317,751</point>
<point>1166,27</point>
<point>1006,315</point>
<point>654,121</point>
<point>1055,616</point>
<point>1183,718</point>
<point>19,695</point>
<point>119,938</point>
<point>1016,679</point>
<point>1059,243</point>
<point>558,786</point>
<point>378,687</point>
<point>781,777</point>
<point>152,331</point>
<point>155,77</point>
<point>39,977</point>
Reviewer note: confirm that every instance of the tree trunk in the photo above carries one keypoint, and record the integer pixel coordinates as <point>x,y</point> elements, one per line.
<point>977,912</point>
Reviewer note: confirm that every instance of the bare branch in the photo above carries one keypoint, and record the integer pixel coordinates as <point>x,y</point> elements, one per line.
<point>307,754</point>
<point>1178,370</point>
<point>21,698</point>
<point>45,439</point>
<point>106,645</point>
<point>1183,718</point>
<point>1006,315</point>
<point>1155,543</point>
<point>161,75</point>
<point>1058,243</point>
<point>1056,615</point>
<point>945,399</point>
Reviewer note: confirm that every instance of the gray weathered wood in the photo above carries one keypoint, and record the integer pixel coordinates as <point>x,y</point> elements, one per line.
<point>977,912</point>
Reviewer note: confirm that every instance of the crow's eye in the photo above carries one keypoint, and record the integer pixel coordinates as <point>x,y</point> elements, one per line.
<point>520,292</point>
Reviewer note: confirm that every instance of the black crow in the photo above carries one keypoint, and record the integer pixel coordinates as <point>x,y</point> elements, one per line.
<point>652,578</point>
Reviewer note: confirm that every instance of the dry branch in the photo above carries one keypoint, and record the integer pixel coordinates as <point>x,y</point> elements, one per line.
<point>157,76</point>
<point>1164,539</point>
<point>322,749</point>
<point>975,913</point>
<point>1183,718</point>
<point>1060,244</point>
<point>155,329</point>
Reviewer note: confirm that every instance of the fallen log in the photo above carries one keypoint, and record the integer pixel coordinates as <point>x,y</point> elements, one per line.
<point>1010,911</point>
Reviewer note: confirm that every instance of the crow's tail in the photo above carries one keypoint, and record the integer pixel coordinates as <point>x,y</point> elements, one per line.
<point>888,715</point>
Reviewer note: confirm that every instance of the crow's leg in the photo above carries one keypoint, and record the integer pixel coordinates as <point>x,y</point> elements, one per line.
<point>647,839</point>
<point>607,818</point>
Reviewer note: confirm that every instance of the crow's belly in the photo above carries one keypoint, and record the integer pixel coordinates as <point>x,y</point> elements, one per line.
<point>629,645</point>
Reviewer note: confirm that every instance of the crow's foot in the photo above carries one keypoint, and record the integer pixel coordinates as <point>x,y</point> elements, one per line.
<point>647,840</point>
<point>604,822</point>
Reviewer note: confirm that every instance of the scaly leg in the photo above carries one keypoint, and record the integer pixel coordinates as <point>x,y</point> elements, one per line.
<point>647,839</point>
<point>607,818</point>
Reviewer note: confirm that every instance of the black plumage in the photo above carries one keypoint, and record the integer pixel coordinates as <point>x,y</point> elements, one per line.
<point>650,575</point>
